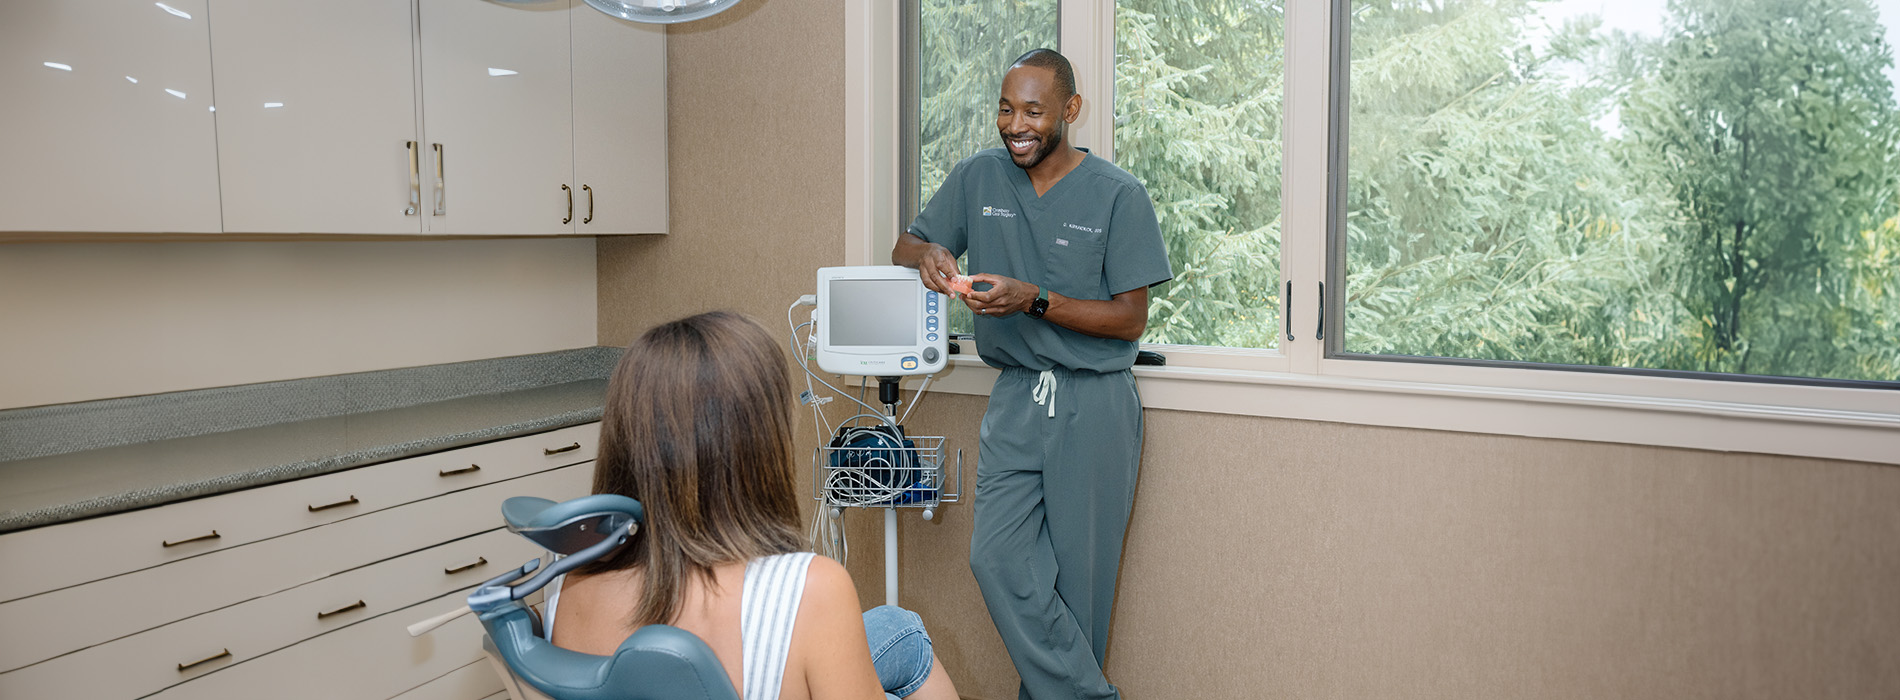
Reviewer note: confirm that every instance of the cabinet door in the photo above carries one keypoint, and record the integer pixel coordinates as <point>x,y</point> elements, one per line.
<point>317,108</point>
<point>619,124</point>
<point>106,123</point>
<point>498,102</point>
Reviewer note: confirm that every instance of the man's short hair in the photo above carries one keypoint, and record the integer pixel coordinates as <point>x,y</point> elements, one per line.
<point>1048,58</point>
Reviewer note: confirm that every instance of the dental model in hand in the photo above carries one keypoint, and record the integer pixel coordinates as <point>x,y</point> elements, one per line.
<point>962,284</point>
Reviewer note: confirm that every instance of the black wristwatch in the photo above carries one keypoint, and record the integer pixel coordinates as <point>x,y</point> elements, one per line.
<point>1041,305</point>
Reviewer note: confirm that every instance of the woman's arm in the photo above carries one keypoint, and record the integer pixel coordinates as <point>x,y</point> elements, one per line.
<point>828,640</point>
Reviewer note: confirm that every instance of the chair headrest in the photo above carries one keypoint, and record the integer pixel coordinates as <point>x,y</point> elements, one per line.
<point>571,526</point>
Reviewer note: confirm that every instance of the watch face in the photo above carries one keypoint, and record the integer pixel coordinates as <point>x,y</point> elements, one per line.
<point>1038,307</point>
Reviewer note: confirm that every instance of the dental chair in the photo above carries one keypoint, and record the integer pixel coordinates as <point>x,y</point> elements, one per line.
<point>658,662</point>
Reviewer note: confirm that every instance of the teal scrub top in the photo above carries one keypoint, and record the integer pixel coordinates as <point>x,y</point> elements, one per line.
<point>1091,236</point>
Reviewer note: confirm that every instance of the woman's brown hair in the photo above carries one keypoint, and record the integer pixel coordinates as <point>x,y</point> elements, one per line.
<point>698,428</point>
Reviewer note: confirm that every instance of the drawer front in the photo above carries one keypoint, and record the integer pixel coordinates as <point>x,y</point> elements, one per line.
<point>472,682</point>
<point>151,661</point>
<point>373,659</point>
<point>74,618</point>
<point>128,542</point>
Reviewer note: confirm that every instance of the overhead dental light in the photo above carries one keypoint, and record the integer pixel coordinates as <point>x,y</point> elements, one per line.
<point>662,11</point>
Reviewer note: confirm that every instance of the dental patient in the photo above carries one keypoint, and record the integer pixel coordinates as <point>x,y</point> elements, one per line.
<point>698,428</point>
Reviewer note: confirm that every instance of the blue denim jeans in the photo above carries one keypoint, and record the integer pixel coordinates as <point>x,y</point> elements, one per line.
<point>900,648</point>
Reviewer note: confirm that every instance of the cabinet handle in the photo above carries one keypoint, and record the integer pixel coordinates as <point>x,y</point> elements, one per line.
<point>589,189</point>
<point>441,185</point>
<point>558,450</point>
<point>346,502</point>
<point>415,180</point>
<point>341,610</point>
<point>206,660</point>
<point>463,470</point>
<point>214,535</point>
<point>570,203</point>
<point>479,561</point>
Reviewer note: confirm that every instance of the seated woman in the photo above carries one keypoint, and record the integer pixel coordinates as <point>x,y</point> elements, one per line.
<point>698,428</point>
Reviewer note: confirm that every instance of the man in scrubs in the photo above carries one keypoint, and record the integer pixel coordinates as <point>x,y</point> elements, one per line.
<point>1067,245</point>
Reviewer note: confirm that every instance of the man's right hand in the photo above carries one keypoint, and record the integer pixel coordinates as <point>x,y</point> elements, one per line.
<point>934,263</point>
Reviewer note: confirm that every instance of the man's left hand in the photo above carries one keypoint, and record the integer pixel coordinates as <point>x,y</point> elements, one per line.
<point>1005,295</point>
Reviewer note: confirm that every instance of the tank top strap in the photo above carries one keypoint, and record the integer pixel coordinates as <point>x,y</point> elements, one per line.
<point>768,607</point>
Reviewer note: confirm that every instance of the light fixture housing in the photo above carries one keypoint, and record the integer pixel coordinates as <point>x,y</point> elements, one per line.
<point>662,11</point>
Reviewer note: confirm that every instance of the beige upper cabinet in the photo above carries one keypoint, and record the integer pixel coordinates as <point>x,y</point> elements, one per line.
<point>106,121</point>
<point>378,117</point>
<point>498,110</point>
<point>317,116</point>
<point>619,124</point>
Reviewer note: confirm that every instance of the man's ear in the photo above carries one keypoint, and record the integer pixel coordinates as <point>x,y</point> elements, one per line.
<point>1072,109</point>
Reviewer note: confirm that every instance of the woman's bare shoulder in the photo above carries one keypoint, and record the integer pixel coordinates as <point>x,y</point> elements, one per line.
<point>828,643</point>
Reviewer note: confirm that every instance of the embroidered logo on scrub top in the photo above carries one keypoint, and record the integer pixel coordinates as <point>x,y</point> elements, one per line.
<point>999,211</point>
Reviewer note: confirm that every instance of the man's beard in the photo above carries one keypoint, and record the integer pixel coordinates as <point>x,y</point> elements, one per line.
<point>1049,144</point>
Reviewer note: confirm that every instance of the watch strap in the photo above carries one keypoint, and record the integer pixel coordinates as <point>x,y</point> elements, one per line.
<point>1041,305</point>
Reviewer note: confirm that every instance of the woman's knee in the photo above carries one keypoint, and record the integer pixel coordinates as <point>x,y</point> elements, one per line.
<point>900,648</point>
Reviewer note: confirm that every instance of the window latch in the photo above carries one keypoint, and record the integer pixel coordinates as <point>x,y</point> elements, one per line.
<point>1321,334</point>
<point>1288,321</point>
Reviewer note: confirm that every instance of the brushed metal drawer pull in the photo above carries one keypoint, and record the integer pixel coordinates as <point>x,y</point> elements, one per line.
<point>558,450</point>
<point>206,660</point>
<point>590,204</point>
<point>479,561</point>
<point>441,184</point>
<point>463,470</point>
<point>570,204</point>
<point>415,181</point>
<point>351,501</point>
<point>341,610</point>
<point>214,535</point>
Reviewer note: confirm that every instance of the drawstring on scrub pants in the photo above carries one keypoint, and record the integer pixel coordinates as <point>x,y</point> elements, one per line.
<point>1046,389</point>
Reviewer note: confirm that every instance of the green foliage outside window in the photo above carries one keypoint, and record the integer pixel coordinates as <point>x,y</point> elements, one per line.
<point>1722,198</point>
<point>1198,92</point>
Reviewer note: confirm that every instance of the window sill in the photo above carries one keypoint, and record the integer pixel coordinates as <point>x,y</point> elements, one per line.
<point>1726,426</point>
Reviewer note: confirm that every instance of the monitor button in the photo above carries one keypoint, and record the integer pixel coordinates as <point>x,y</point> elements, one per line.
<point>931,337</point>
<point>930,355</point>
<point>911,362</point>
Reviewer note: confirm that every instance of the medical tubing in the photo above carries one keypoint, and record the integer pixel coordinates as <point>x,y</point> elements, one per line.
<point>818,416</point>
<point>916,397</point>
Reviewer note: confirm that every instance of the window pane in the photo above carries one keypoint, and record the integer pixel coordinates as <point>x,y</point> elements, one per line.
<point>966,47</point>
<point>1705,185</point>
<point>1198,86</point>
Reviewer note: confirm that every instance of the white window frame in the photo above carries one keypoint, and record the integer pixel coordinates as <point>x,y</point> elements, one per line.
<point>1296,380</point>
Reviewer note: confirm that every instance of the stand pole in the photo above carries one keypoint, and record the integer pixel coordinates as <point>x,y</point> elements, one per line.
<point>890,556</point>
<point>887,393</point>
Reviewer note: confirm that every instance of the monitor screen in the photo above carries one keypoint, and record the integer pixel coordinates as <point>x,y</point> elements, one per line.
<point>873,312</point>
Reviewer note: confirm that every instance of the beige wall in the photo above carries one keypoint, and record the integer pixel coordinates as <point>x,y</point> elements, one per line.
<point>84,321</point>
<point>1281,558</point>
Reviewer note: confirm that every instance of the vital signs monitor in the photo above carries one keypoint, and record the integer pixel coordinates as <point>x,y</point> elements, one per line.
<point>880,321</point>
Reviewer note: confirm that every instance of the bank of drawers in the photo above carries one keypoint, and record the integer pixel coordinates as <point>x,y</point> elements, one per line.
<point>140,539</point>
<point>277,614</point>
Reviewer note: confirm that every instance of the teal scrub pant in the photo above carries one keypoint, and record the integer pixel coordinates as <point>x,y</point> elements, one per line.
<point>1053,496</point>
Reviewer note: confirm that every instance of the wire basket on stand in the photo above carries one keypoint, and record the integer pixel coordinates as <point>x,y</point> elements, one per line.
<point>875,471</point>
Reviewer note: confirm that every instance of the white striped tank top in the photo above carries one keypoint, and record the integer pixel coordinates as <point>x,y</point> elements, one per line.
<point>768,607</point>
